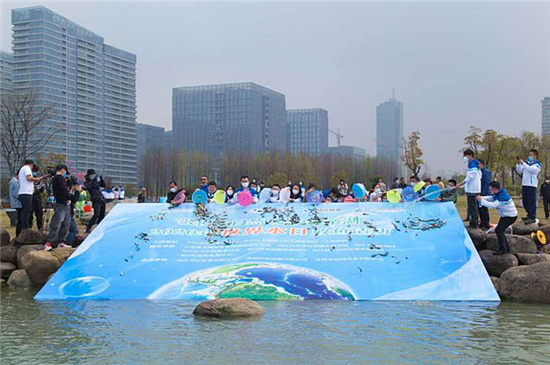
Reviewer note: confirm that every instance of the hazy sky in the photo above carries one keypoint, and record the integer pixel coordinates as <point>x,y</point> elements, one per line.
<point>452,65</point>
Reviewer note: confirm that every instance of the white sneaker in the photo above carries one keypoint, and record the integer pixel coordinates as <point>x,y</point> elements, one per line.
<point>48,246</point>
<point>62,245</point>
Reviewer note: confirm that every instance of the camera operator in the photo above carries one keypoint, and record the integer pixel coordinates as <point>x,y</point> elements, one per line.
<point>93,184</point>
<point>61,220</point>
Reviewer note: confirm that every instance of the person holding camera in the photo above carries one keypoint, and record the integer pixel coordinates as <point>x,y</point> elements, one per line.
<point>61,220</point>
<point>26,190</point>
<point>93,185</point>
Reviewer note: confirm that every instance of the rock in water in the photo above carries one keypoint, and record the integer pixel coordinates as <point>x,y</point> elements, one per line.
<point>8,254</point>
<point>478,237</point>
<point>496,265</point>
<point>528,283</point>
<point>516,244</point>
<point>40,265</point>
<point>532,258</point>
<point>19,278</point>
<point>229,308</point>
<point>31,237</point>
<point>4,237</point>
<point>23,250</point>
<point>62,254</point>
<point>524,229</point>
<point>6,268</point>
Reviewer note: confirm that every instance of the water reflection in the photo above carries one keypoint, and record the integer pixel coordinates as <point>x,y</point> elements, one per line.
<point>132,332</point>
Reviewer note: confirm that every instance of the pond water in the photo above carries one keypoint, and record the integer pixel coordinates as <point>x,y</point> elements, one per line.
<point>297,332</point>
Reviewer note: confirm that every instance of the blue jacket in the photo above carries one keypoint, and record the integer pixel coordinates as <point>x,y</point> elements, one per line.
<point>250,190</point>
<point>204,188</point>
<point>14,193</point>
<point>486,177</point>
<point>502,202</point>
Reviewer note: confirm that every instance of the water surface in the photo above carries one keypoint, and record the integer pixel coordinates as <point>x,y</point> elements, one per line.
<point>335,332</point>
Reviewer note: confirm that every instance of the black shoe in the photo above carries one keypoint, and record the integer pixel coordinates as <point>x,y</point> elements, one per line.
<point>524,218</point>
<point>529,221</point>
<point>88,230</point>
<point>500,252</point>
<point>473,225</point>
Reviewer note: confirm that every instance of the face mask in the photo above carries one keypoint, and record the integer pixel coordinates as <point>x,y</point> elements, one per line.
<point>530,159</point>
<point>295,191</point>
<point>301,183</point>
<point>450,186</point>
<point>547,181</point>
<point>377,190</point>
<point>413,183</point>
<point>274,191</point>
<point>244,185</point>
<point>229,192</point>
<point>64,174</point>
<point>465,159</point>
<point>173,190</point>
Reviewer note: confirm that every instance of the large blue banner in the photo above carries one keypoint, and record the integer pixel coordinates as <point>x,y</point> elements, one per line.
<point>349,251</point>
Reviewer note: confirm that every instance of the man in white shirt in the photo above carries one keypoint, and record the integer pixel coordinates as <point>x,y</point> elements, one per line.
<point>26,189</point>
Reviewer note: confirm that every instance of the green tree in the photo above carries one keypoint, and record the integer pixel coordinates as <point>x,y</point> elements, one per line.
<point>412,156</point>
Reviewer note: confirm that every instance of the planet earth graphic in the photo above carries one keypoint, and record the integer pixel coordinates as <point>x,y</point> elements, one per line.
<point>256,281</point>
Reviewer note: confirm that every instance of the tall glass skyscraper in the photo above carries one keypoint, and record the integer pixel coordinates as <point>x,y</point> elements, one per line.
<point>242,117</point>
<point>91,84</point>
<point>6,72</point>
<point>149,137</point>
<point>307,131</point>
<point>545,110</point>
<point>389,131</point>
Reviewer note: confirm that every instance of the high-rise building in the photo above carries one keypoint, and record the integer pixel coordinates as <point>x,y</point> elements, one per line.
<point>242,117</point>
<point>91,85</point>
<point>545,116</point>
<point>355,153</point>
<point>168,141</point>
<point>6,72</point>
<point>307,131</point>
<point>149,137</point>
<point>389,131</point>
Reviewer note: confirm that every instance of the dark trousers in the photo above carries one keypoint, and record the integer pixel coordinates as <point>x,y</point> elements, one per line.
<point>99,213</point>
<point>73,231</point>
<point>545,203</point>
<point>18,228</point>
<point>26,202</point>
<point>60,224</point>
<point>503,224</point>
<point>484,217</point>
<point>529,199</point>
<point>473,209</point>
<point>37,211</point>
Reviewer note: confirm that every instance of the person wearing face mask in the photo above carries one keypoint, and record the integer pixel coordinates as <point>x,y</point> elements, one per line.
<point>245,186</point>
<point>313,195</point>
<point>486,178</point>
<point>172,191</point>
<point>472,186</point>
<point>450,194</point>
<point>376,194</point>
<point>302,187</point>
<point>61,220</point>
<point>343,188</point>
<point>529,170</point>
<point>414,180</point>
<point>275,194</point>
<point>396,184</point>
<point>229,194</point>
<point>296,194</point>
<point>545,195</point>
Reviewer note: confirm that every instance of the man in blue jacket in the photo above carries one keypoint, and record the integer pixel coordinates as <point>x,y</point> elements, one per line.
<point>486,177</point>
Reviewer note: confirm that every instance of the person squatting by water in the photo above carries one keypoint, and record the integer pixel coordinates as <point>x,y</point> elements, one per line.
<point>501,201</point>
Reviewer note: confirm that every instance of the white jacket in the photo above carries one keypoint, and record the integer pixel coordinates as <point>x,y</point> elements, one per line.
<point>530,172</point>
<point>473,178</point>
<point>501,202</point>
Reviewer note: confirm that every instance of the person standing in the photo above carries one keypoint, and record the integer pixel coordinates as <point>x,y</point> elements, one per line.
<point>545,195</point>
<point>142,195</point>
<point>529,169</point>
<point>501,201</point>
<point>15,203</point>
<point>486,178</point>
<point>203,185</point>
<point>74,191</point>
<point>93,184</point>
<point>472,186</point>
<point>173,191</point>
<point>396,184</point>
<point>245,182</point>
<point>343,188</point>
<point>26,190</point>
<point>61,220</point>
<point>439,182</point>
<point>37,209</point>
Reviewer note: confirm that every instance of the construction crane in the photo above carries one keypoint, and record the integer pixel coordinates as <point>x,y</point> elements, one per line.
<point>338,136</point>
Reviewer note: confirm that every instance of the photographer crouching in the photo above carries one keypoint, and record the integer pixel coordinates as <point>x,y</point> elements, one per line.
<point>61,220</point>
<point>93,184</point>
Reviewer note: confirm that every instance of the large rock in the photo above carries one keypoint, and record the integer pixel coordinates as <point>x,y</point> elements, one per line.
<point>6,268</point>
<point>31,237</point>
<point>62,254</point>
<point>497,264</point>
<point>40,265</point>
<point>528,283</point>
<point>19,278</point>
<point>516,244</point>
<point>78,239</point>
<point>5,238</point>
<point>532,258</point>
<point>8,254</point>
<point>524,229</point>
<point>23,250</point>
<point>546,248</point>
<point>229,308</point>
<point>495,280</point>
<point>478,237</point>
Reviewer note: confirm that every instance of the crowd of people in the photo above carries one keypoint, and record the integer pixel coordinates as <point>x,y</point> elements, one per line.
<point>482,192</point>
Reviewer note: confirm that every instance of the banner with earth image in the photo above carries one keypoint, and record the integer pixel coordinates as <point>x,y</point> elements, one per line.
<point>346,251</point>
